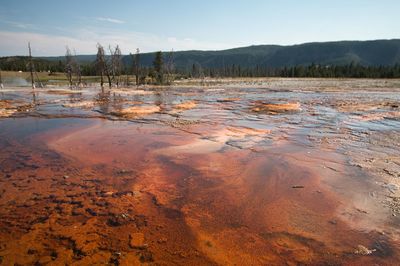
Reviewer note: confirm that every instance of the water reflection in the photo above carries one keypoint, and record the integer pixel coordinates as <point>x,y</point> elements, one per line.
<point>35,96</point>
<point>209,178</point>
<point>102,100</point>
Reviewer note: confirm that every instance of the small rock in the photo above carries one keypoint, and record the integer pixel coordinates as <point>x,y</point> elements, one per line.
<point>65,177</point>
<point>298,186</point>
<point>361,250</point>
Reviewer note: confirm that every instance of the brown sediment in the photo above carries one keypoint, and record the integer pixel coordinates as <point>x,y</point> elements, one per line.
<point>275,108</point>
<point>6,109</point>
<point>227,100</point>
<point>211,187</point>
<point>130,91</point>
<point>185,105</point>
<point>136,111</point>
<point>11,107</point>
<point>6,112</point>
<point>253,209</point>
<point>244,131</point>
<point>128,200</point>
<point>62,91</point>
<point>181,123</point>
<point>79,211</point>
<point>80,104</point>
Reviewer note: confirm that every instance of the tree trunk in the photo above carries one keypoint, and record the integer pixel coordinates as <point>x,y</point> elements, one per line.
<point>31,65</point>
<point>109,80</point>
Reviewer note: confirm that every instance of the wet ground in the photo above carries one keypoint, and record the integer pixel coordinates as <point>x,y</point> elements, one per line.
<point>267,172</point>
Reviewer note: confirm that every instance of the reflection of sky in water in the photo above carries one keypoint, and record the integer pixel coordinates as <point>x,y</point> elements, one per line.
<point>318,109</point>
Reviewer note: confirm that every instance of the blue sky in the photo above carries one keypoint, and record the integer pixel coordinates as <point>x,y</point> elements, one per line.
<point>153,25</point>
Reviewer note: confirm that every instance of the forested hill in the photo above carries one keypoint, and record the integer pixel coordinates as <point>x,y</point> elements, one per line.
<point>366,53</point>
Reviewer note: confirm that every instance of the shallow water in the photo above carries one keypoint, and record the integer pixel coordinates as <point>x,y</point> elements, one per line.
<point>216,183</point>
<point>15,81</point>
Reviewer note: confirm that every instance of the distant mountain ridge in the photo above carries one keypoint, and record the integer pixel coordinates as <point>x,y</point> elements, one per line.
<point>367,53</point>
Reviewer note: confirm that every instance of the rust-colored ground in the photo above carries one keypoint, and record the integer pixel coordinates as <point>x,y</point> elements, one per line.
<point>281,172</point>
<point>116,193</point>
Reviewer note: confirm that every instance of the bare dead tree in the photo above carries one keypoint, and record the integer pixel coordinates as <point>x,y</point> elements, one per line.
<point>69,65</point>
<point>72,68</point>
<point>110,63</point>
<point>108,70</point>
<point>109,66</point>
<point>115,64</point>
<point>137,67</point>
<point>133,65</point>
<point>77,70</point>
<point>108,73</point>
<point>31,68</point>
<point>169,67</point>
<point>100,63</point>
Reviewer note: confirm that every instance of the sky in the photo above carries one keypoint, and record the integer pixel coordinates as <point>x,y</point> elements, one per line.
<point>152,25</point>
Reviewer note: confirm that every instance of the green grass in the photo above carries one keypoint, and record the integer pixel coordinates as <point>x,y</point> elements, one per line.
<point>58,78</point>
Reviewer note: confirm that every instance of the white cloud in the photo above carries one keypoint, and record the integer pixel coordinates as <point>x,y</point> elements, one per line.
<point>16,43</point>
<point>111,20</point>
<point>84,42</point>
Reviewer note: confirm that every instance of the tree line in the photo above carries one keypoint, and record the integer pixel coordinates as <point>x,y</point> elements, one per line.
<point>111,68</point>
<point>351,70</point>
